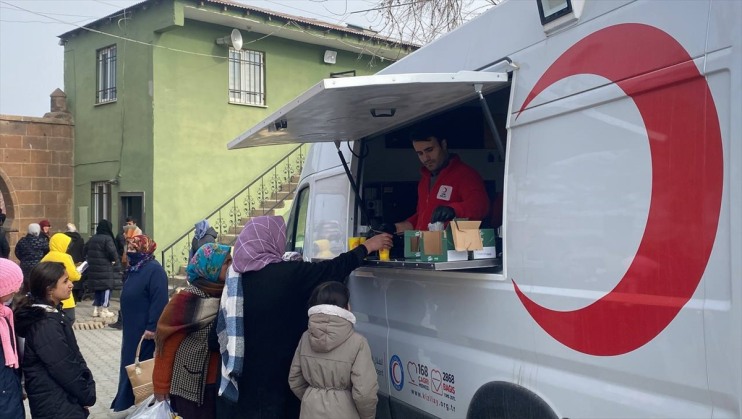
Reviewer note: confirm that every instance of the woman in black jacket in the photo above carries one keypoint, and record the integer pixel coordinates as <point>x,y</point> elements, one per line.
<point>273,314</point>
<point>59,383</point>
<point>30,249</point>
<point>104,266</point>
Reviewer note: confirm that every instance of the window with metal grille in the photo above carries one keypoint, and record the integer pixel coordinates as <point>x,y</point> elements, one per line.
<point>246,77</point>
<point>100,202</point>
<point>106,75</point>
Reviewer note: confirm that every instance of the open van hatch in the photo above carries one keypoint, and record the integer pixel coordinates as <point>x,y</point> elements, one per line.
<point>351,108</point>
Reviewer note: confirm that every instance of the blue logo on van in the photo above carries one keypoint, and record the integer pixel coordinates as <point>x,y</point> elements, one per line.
<point>396,372</point>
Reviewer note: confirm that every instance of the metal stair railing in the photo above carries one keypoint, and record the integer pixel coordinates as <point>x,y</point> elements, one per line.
<point>261,197</point>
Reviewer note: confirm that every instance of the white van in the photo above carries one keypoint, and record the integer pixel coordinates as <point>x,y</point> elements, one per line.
<point>619,289</point>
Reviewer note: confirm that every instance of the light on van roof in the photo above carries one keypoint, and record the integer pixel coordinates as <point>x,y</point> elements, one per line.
<point>550,10</point>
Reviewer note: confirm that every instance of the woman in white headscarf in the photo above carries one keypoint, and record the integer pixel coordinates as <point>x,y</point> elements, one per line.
<point>29,250</point>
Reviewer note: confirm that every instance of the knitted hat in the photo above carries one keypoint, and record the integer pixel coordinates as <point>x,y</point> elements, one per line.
<point>11,277</point>
<point>45,223</point>
<point>34,229</point>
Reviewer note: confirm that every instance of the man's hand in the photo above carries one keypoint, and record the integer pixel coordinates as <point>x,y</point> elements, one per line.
<point>443,213</point>
<point>149,335</point>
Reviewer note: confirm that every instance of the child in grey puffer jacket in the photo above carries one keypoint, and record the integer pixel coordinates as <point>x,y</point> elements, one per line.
<point>332,372</point>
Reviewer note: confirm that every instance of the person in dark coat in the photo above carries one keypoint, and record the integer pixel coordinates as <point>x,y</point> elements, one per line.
<point>275,295</point>
<point>202,235</point>
<point>29,250</point>
<point>76,248</point>
<point>143,298</point>
<point>46,228</point>
<point>103,273</point>
<point>11,398</point>
<point>58,381</point>
<point>4,245</point>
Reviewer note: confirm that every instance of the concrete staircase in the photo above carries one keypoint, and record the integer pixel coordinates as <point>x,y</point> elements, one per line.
<point>279,204</point>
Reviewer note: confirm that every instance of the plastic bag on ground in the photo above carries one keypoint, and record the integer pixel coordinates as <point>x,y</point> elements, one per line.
<point>152,409</point>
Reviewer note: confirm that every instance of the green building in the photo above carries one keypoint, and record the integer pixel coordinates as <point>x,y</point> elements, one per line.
<point>158,89</point>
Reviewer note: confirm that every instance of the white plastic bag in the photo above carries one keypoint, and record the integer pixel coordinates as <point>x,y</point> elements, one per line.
<point>152,409</point>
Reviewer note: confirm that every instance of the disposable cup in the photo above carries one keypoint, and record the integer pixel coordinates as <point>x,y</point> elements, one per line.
<point>353,242</point>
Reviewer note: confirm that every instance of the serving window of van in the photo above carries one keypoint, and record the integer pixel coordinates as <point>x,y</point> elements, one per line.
<point>377,113</point>
<point>391,171</point>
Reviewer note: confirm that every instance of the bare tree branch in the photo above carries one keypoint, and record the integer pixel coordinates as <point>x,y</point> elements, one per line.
<point>421,21</point>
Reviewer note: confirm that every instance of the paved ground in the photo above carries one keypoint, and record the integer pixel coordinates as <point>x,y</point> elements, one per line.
<point>101,347</point>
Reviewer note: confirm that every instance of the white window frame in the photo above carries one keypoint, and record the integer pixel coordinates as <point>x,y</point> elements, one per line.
<point>246,77</point>
<point>105,66</point>
<point>100,203</point>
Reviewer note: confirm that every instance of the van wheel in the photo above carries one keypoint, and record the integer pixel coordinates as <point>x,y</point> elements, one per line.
<point>500,400</point>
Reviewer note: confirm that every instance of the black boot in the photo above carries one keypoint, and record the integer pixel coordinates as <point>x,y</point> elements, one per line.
<point>117,324</point>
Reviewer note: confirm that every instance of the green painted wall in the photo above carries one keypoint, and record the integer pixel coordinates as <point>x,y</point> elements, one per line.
<point>174,112</point>
<point>115,138</point>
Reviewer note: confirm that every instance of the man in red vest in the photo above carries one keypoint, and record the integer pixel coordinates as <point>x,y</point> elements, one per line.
<point>448,188</point>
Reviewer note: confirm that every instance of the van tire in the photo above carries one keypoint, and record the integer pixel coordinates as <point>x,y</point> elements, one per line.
<point>501,400</point>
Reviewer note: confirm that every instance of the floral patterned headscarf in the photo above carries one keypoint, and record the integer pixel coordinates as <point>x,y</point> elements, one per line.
<point>207,262</point>
<point>143,251</point>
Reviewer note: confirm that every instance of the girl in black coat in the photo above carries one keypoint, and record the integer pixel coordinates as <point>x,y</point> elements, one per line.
<point>58,381</point>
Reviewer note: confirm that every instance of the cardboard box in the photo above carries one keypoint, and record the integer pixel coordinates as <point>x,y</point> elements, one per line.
<point>432,246</point>
<point>466,235</point>
<point>489,248</point>
<point>412,244</point>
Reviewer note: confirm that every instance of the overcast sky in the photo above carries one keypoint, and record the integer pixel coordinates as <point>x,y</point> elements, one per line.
<point>31,60</point>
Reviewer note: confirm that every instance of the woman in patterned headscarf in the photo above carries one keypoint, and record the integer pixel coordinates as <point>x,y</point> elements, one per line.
<point>143,298</point>
<point>187,358</point>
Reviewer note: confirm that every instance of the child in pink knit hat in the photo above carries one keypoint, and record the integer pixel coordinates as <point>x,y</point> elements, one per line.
<point>11,278</point>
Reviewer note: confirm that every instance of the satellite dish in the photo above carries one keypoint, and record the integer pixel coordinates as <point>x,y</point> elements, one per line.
<point>234,40</point>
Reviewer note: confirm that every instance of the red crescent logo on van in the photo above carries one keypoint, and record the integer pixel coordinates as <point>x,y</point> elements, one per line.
<point>685,142</point>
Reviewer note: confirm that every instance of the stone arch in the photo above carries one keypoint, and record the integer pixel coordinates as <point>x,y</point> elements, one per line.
<point>9,200</point>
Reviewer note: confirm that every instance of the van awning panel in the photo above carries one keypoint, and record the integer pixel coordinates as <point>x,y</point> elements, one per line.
<point>343,109</point>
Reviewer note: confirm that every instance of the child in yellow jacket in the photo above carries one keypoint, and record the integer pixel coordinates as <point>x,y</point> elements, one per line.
<point>58,245</point>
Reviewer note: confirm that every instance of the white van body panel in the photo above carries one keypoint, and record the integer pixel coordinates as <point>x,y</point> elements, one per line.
<point>582,189</point>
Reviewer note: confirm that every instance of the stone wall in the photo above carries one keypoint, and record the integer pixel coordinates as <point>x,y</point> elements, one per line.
<point>36,158</point>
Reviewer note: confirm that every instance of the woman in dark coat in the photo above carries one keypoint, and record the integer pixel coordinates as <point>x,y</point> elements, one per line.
<point>143,298</point>
<point>30,249</point>
<point>103,273</point>
<point>275,295</point>
<point>59,383</point>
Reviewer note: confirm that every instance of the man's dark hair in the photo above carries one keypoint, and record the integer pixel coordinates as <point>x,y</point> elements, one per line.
<point>426,130</point>
<point>335,293</point>
<point>131,219</point>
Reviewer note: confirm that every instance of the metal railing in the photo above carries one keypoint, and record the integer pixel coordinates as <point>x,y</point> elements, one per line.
<point>261,197</point>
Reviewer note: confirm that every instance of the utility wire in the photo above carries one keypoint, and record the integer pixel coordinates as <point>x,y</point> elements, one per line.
<point>289,22</point>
